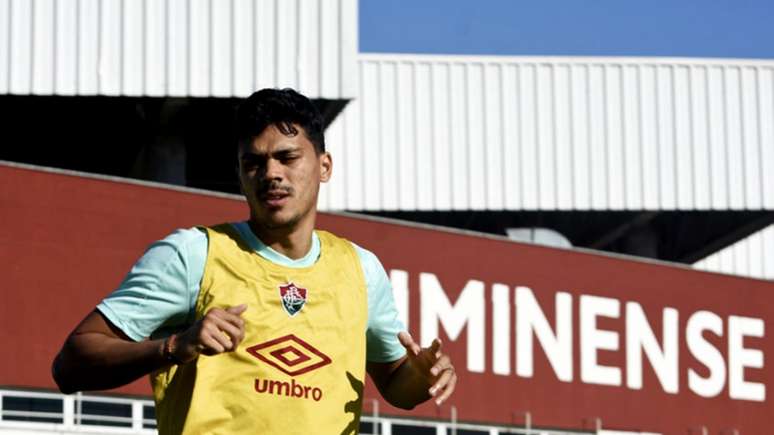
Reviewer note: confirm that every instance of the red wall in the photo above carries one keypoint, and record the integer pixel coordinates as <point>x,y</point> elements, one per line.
<point>66,241</point>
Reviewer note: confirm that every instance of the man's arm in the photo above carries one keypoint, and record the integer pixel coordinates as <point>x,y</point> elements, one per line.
<point>98,356</point>
<point>404,376</point>
<point>108,348</point>
<point>416,377</point>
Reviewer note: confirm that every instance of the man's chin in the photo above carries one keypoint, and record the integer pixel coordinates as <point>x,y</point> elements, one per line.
<point>276,222</point>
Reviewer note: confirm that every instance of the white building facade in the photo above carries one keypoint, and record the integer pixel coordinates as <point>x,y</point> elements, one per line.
<point>433,133</point>
<point>421,133</point>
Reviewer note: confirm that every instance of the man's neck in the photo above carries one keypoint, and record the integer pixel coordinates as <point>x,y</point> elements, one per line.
<point>294,242</point>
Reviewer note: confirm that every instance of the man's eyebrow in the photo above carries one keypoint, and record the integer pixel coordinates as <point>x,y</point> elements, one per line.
<point>286,151</point>
<point>252,156</point>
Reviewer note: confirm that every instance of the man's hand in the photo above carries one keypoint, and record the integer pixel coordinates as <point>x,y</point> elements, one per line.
<point>419,376</point>
<point>433,365</point>
<point>217,332</point>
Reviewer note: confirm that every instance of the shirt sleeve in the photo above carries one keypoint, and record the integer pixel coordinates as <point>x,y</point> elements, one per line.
<point>159,292</point>
<point>382,343</point>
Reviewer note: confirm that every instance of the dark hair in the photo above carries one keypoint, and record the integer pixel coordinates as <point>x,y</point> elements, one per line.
<point>281,108</point>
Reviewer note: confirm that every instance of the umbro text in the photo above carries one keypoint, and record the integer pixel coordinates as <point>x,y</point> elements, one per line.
<point>290,389</point>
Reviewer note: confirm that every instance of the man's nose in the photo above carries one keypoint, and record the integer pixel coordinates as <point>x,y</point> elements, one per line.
<point>273,170</point>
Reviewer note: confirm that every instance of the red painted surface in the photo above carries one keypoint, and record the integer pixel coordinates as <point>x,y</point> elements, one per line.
<point>66,241</point>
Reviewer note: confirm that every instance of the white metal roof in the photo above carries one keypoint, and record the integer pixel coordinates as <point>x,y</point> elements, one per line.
<point>546,133</point>
<point>752,256</point>
<point>178,47</point>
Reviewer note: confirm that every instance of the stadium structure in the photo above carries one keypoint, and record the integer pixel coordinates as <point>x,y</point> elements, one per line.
<point>592,237</point>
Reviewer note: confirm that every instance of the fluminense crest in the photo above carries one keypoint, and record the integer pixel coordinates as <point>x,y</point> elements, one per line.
<point>293,298</point>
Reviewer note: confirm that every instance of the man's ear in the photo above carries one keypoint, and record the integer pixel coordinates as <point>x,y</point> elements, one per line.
<point>326,167</point>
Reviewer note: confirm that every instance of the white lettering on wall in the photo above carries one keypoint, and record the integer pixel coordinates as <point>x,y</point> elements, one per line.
<point>640,338</point>
<point>558,340</point>
<point>740,357</point>
<point>530,321</point>
<point>593,339</point>
<point>469,309</point>
<point>501,329</point>
<point>705,353</point>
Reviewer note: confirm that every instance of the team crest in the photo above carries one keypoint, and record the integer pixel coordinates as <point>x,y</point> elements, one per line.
<point>293,298</point>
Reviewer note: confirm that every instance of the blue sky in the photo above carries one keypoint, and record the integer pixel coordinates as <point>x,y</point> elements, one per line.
<point>692,28</point>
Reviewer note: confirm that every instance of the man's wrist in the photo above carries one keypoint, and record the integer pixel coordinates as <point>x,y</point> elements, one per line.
<point>168,350</point>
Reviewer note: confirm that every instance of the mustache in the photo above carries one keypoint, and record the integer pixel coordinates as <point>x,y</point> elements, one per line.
<point>265,188</point>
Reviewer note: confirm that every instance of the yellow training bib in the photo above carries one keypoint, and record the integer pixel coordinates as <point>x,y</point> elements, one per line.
<point>300,368</point>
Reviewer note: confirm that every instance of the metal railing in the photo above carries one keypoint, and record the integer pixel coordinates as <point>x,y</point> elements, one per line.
<point>381,425</point>
<point>79,413</point>
<point>69,416</point>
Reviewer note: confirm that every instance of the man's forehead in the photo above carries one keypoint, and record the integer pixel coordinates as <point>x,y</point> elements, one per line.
<point>273,140</point>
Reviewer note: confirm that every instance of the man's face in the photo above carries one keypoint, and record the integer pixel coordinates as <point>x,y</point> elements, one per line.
<point>280,177</point>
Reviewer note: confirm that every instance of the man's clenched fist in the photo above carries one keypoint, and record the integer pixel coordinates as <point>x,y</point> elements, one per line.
<point>220,330</point>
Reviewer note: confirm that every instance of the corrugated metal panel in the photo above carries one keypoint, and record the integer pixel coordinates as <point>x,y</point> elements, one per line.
<point>752,257</point>
<point>219,48</point>
<point>512,133</point>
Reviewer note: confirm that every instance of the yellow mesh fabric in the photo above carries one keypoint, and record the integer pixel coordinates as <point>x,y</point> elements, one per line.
<point>300,368</point>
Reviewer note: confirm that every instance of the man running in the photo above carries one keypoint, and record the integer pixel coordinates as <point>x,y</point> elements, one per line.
<point>262,326</point>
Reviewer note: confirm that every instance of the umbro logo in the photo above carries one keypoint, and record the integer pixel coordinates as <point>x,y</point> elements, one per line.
<point>290,355</point>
